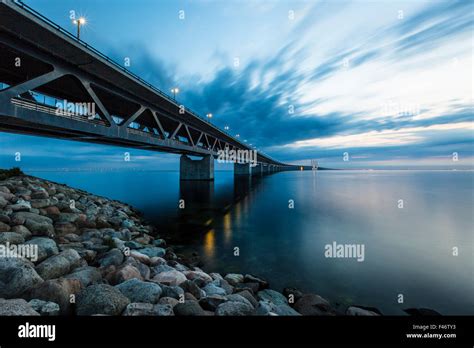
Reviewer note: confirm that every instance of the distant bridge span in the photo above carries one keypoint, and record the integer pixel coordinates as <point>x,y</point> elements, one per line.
<point>42,63</point>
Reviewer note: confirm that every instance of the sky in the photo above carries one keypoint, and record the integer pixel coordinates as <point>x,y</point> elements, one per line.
<point>352,84</point>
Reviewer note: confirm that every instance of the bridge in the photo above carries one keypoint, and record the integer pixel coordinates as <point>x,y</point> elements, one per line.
<point>42,64</point>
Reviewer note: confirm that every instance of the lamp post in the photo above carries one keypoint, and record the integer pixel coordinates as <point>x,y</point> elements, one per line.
<point>209,116</point>
<point>78,22</point>
<point>175,91</point>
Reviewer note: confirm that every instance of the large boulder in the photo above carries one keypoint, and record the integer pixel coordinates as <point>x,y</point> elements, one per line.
<point>188,308</point>
<point>44,308</point>
<point>213,289</point>
<point>312,304</point>
<point>46,247</point>
<point>139,291</point>
<point>101,299</point>
<point>11,237</point>
<point>86,275</point>
<point>113,257</point>
<point>153,251</point>
<point>16,307</point>
<point>234,308</point>
<point>17,275</point>
<point>170,278</point>
<point>4,227</point>
<point>59,265</point>
<point>61,291</point>
<point>234,278</point>
<point>268,308</point>
<point>272,296</point>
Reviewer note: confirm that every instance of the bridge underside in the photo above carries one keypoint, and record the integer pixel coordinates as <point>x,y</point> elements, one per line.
<point>52,85</point>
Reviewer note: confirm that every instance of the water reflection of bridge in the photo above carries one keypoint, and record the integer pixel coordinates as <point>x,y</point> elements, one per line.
<point>207,208</point>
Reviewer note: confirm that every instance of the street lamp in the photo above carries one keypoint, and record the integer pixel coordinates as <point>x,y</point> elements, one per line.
<point>80,21</point>
<point>237,136</point>
<point>209,116</point>
<point>226,128</point>
<point>175,91</point>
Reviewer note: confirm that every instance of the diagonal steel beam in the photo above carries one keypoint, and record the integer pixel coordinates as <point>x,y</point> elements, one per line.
<point>189,134</point>
<point>140,110</point>
<point>26,86</point>
<point>214,145</point>
<point>176,130</point>
<point>99,103</point>
<point>207,141</point>
<point>157,120</point>
<point>200,136</point>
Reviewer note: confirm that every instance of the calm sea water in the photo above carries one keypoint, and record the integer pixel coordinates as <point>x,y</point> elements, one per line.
<point>408,250</point>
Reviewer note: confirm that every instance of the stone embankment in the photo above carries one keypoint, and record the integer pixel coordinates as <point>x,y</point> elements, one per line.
<point>64,251</point>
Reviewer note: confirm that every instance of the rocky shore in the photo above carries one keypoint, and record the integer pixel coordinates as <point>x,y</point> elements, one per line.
<point>64,251</point>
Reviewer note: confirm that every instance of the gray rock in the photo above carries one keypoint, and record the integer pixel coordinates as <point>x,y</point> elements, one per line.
<point>272,296</point>
<point>40,228</point>
<point>22,230</point>
<point>249,297</point>
<point>356,311</point>
<point>25,216</point>
<point>46,247</point>
<point>311,304</point>
<point>5,218</point>
<point>17,275</point>
<point>86,275</point>
<point>188,308</point>
<point>268,308</point>
<point>170,278</point>
<point>153,251</point>
<point>263,284</point>
<point>58,291</point>
<point>162,268</point>
<point>159,243</point>
<point>113,257</point>
<point>59,265</point>
<point>213,289</point>
<point>210,303</point>
<point>11,237</point>
<point>192,288</point>
<point>101,299</point>
<point>200,276</point>
<point>234,278</point>
<point>16,307</point>
<point>4,227</point>
<point>163,310</point>
<point>172,291</point>
<point>20,205</point>
<point>168,301</point>
<point>239,298</point>
<point>147,309</point>
<point>234,308</point>
<point>139,291</point>
<point>53,267</point>
<point>44,308</point>
<point>133,245</point>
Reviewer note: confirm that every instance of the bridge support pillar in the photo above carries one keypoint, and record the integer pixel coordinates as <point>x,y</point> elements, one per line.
<point>202,169</point>
<point>258,169</point>
<point>243,169</point>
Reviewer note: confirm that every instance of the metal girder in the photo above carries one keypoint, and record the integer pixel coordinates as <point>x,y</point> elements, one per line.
<point>176,131</point>
<point>189,134</point>
<point>132,118</point>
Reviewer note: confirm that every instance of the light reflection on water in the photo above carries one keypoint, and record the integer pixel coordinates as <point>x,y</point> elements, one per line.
<point>407,251</point>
